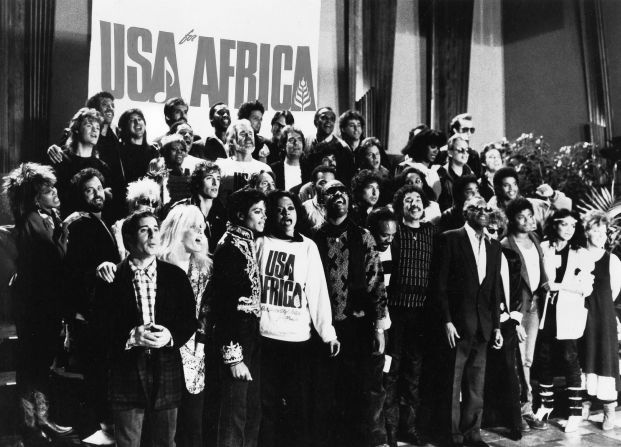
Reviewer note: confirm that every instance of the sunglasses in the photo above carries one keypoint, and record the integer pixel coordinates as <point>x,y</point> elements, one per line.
<point>467,130</point>
<point>480,208</point>
<point>491,230</point>
<point>145,201</point>
<point>335,190</point>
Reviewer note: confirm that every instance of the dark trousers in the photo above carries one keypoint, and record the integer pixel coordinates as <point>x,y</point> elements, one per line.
<point>128,427</point>
<point>468,378</point>
<point>405,346</point>
<point>356,384</point>
<point>285,393</point>
<point>240,402</point>
<point>502,381</point>
<point>567,350</point>
<point>190,420</point>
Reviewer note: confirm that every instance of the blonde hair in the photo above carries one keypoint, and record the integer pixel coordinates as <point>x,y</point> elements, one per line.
<point>179,219</point>
<point>144,187</point>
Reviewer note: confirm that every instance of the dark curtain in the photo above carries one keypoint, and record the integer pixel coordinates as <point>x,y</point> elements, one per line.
<point>378,37</point>
<point>448,27</point>
<point>39,39</point>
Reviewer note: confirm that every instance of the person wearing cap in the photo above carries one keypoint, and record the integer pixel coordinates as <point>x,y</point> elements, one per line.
<point>468,290</point>
<point>358,298</point>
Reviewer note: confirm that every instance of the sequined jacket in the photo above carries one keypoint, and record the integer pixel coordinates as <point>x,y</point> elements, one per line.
<point>232,301</point>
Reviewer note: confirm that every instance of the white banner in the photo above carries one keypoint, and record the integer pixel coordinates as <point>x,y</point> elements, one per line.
<point>233,51</point>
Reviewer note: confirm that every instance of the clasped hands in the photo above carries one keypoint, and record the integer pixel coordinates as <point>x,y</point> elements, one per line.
<point>150,336</point>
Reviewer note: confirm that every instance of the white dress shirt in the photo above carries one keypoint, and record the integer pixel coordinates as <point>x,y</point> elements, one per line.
<point>478,248</point>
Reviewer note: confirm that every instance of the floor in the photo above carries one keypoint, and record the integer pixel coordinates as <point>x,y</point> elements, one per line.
<point>589,434</point>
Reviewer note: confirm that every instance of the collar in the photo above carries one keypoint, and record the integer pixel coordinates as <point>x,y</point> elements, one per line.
<point>149,270</point>
<point>239,231</point>
<point>472,234</point>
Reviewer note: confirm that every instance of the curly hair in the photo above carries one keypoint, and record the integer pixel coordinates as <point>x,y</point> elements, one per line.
<point>349,115</point>
<point>515,207</point>
<point>23,184</point>
<point>241,201</point>
<point>360,153</point>
<point>145,187</point>
<point>248,107</point>
<point>198,176</point>
<point>94,102</point>
<point>289,129</point>
<point>397,200</point>
<point>361,180</point>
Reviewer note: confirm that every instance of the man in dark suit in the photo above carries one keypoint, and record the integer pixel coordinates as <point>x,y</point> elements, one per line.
<point>468,293</point>
<point>143,317</point>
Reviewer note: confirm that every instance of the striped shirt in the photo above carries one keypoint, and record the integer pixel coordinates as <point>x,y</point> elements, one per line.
<point>412,253</point>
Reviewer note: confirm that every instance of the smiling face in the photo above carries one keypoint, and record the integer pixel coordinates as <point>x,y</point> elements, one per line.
<point>147,242</point>
<point>325,122</point>
<point>477,213</point>
<point>106,108</point>
<point>255,219</point>
<point>286,216</point>
<point>47,198</point>
<point>136,126</point>
<point>93,195</point>
<point>193,238</point>
<point>221,118</point>
<point>89,131</point>
<point>509,188</point>
<point>322,179</point>
<point>336,199</point>
<point>413,207</point>
<point>386,231</point>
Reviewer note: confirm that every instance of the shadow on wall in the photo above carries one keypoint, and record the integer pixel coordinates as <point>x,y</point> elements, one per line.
<point>524,19</point>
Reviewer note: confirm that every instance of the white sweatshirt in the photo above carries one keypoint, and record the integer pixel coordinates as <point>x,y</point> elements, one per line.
<point>294,292</point>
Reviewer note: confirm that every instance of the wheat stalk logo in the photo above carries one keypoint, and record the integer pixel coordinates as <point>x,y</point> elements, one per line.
<point>302,98</point>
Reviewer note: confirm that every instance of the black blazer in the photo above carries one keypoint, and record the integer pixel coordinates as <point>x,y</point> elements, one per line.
<point>462,300</point>
<point>116,314</point>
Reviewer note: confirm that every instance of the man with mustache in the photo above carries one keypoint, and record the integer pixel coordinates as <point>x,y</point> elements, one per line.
<point>237,169</point>
<point>412,251</point>
<point>468,292</point>
<point>358,298</point>
<point>91,244</point>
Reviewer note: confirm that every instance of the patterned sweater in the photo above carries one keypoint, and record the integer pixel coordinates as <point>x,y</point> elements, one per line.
<point>353,271</point>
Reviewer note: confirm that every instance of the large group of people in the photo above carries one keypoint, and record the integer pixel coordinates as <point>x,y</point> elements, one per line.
<point>303,290</point>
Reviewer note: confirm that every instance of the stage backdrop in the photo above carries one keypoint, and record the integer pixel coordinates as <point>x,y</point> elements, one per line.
<point>146,51</point>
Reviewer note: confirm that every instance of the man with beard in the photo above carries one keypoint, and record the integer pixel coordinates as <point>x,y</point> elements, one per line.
<point>90,245</point>
<point>280,120</point>
<point>324,143</point>
<point>213,147</point>
<point>468,292</point>
<point>253,111</point>
<point>412,251</point>
<point>315,207</point>
<point>358,298</point>
<point>237,169</point>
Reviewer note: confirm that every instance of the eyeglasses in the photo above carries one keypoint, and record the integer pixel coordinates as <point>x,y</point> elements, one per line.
<point>480,208</point>
<point>336,190</point>
<point>145,201</point>
<point>492,230</point>
<point>463,150</point>
<point>467,130</point>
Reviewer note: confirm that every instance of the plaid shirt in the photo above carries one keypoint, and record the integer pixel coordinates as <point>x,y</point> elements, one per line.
<point>145,290</point>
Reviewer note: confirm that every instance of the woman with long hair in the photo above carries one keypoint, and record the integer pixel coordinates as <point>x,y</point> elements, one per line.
<point>41,239</point>
<point>184,244</point>
<point>294,302</point>
<point>599,346</point>
<point>568,268</point>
